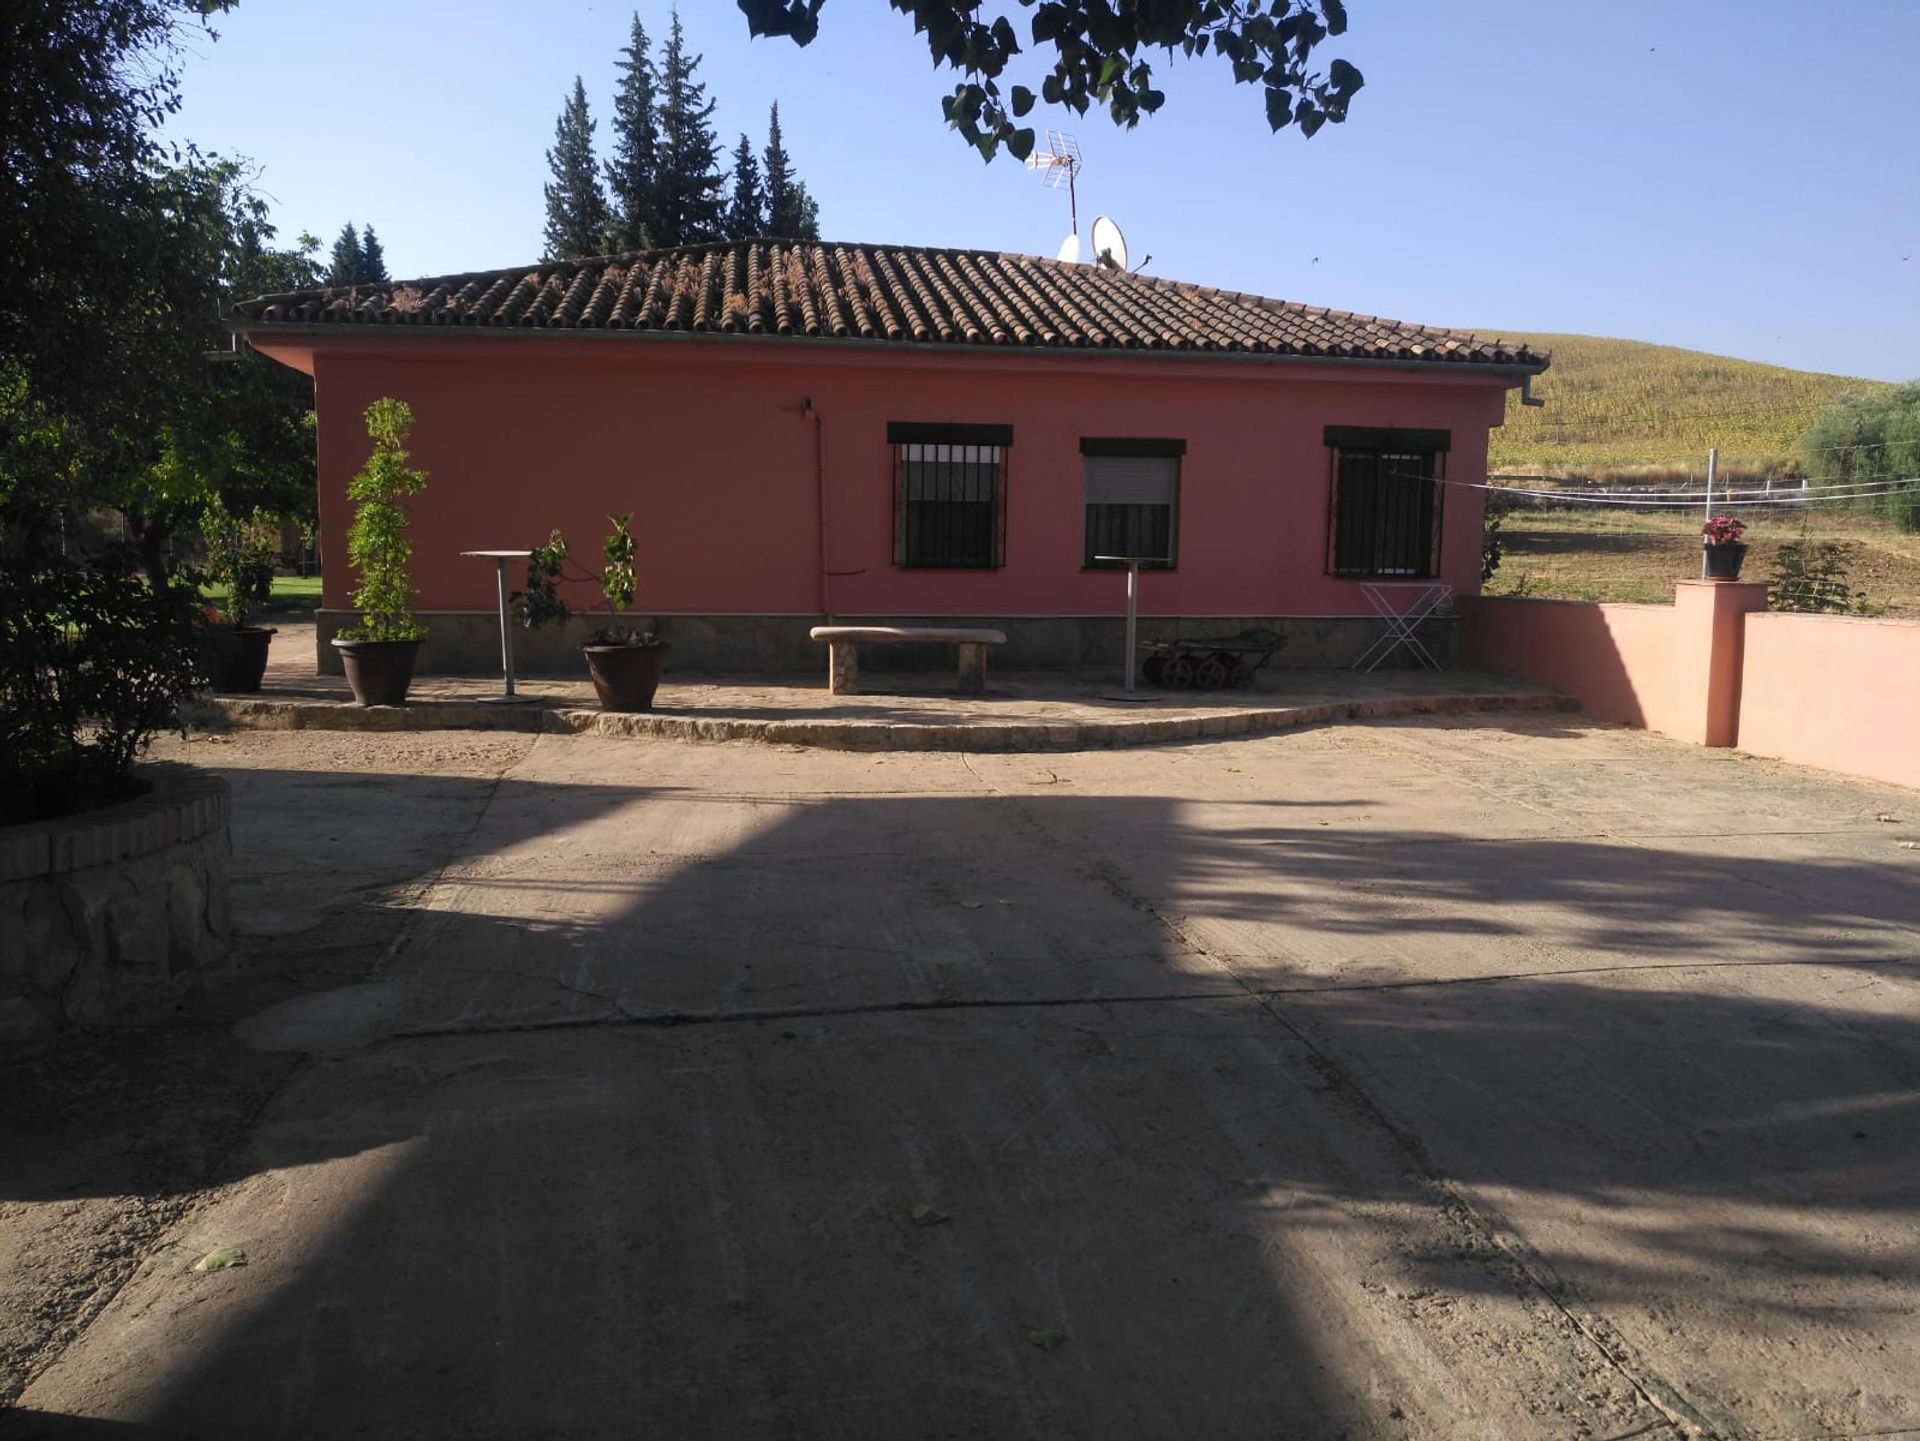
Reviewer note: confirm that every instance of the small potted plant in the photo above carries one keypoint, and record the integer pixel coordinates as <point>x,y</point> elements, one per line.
<point>240,555</point>
<point>378,654</point>
<point>1724,548</point>
<point>623,660</point>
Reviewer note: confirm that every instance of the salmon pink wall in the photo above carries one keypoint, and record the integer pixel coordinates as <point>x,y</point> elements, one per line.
<point>713,446</point>
<point>1834,691</point>
<point>1613,659</point>
<point>1718,668</point>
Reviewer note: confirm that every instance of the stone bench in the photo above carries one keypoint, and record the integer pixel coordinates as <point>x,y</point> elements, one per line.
<point>844,642</point>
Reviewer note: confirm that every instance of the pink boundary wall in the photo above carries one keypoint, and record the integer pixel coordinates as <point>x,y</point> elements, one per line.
<point>1717,668</point>
<point>1834,691</point>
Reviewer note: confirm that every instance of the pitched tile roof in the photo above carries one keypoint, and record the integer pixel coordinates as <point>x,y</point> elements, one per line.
<point>887,293</point>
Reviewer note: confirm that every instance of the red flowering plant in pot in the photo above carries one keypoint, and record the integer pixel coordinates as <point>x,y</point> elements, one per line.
<point>1725,550</point>
<point>623,660</point>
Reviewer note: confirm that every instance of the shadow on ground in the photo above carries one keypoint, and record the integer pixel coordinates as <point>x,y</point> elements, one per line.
<point>1062,1115</point>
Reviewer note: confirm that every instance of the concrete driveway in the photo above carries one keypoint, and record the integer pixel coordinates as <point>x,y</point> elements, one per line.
<point>1491,1077</point>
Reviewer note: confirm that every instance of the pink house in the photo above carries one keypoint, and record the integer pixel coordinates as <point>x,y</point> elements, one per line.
<point>896,434</point>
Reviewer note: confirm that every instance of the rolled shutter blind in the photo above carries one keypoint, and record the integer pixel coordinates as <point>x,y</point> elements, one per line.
<point>1130,479</point>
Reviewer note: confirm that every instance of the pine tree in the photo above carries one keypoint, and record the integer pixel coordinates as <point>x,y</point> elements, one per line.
<point>344,266</point>
<point>576,206</point>
<point>804,223</point>
<point>792,214</point>
<point>372,269</point>
<point>689,176</point>
<point>632,174</point>
<point>747,212</point>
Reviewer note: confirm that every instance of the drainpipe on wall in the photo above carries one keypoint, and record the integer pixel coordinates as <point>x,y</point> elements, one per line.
<point>820,492</point>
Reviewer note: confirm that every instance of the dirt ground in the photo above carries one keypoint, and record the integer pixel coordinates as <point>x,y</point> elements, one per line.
<point>1493,1076</point>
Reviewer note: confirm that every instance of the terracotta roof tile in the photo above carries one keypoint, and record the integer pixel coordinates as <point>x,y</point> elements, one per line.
<point>900,294</point>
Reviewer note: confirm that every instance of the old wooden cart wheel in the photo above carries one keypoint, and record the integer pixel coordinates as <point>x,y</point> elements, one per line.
<point>1211,672</point>
<point>1154,668</point>
<point>1179,672</point>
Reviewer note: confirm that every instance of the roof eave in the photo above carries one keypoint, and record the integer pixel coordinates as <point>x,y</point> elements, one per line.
<point>385,332</point>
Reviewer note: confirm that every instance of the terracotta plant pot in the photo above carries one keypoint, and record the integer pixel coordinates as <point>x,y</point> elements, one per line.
<point>379,671</point>
<point>1723,561</point>
<point>240,659</point>
<point>625,676</point>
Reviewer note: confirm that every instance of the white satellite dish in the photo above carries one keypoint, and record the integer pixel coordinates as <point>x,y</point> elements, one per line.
<point>1069,250</point>
<point>1109,245</point>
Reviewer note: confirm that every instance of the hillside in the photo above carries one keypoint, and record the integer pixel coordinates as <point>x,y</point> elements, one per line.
<point>1623,406</point>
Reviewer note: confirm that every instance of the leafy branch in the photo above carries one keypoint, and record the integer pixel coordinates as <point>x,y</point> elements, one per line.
<point>1098,49</point>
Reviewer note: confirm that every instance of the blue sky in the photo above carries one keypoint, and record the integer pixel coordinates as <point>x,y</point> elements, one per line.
<point>1739,176</point>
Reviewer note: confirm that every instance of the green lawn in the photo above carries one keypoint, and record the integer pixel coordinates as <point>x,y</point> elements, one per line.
<point>290,594</point>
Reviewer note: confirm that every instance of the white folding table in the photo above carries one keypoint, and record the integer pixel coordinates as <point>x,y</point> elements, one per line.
<point>1402,605</point>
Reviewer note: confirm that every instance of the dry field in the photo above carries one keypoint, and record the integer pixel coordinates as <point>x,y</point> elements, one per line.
<point>1611,553</point>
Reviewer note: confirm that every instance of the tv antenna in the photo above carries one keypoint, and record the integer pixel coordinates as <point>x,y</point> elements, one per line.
<point>1057,165</point>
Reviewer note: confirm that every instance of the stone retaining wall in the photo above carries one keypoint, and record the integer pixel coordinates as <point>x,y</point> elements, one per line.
<point>468,642</point>
<point>99,911</point>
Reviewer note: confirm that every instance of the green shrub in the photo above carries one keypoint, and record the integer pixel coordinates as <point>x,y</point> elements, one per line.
<point>1812,578</point>
<point>377,542</point>
<point>541,601</point>
<point>1870,440</point>
<point>94,661</point>
<point>240,557</point>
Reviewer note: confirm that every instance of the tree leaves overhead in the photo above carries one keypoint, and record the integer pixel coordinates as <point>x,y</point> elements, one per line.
<point>1097,51</point>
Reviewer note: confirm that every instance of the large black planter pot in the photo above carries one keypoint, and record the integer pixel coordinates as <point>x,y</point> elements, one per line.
<point>240,658</point>
<point>1723,561</point>
<point>625,676</point>
<point>379,671</point>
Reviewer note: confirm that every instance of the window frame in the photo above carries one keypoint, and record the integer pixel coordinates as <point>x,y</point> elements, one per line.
<point>1384,443</point>
<point>905,435</point>
<point>1133,447</point>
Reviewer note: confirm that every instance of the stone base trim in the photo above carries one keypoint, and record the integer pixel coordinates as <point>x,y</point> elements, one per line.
<point>468,642</point>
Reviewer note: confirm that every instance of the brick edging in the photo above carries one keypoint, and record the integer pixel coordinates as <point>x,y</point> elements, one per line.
<point>184,804</point>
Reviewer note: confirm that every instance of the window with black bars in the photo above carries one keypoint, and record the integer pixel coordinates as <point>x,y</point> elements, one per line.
<point>1131,497</point>
<point>1386,500</point>
<point>950,494</point>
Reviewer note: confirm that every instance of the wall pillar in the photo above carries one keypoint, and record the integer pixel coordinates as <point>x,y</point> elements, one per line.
<point>1708,636</point>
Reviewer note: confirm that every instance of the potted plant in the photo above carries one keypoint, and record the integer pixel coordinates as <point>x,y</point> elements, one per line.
<point>378,654</point>
<point>623,660</point>
<point>240,556</point>
<point>1724,548</point>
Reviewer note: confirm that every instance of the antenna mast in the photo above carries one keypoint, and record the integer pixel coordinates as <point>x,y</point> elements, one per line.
<point>1059,164</point>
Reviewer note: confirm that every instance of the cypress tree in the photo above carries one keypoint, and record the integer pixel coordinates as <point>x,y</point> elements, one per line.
<point>344,266</point>
<point>633,173</point>
<point>576,206</point>
<point>689,175</point>
<point>372,269</point>
<point>747,212</point>
<point>778,172</point>
<point>792,214</point>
